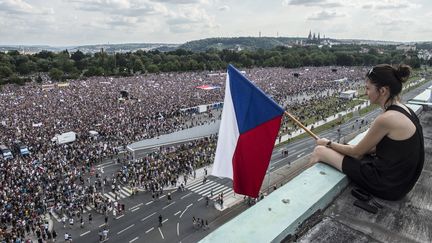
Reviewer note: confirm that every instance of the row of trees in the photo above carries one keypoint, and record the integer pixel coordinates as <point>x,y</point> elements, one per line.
<point>19,68</point>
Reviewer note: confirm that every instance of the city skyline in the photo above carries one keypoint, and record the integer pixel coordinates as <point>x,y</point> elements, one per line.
<point>80,22</point>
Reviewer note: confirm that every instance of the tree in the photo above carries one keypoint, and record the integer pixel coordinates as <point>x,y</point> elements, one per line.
<point>152,68</point>
<point>94,71</point>
<point>77,56</point>
<point>55,74</point>
<point>5,72</point>
<point>43,65</point>
<point>16,80</point>
<point>26,67</point>
<point>344,59</point>
<point>138,65</point>
<point>13,53</point>
<point>45,54</point>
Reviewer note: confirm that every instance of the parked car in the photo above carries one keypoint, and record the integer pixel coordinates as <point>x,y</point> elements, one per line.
<point>6,152</point>
<point>20,148</point>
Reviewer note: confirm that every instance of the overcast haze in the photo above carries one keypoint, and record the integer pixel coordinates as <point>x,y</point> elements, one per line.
<point>80,22</point>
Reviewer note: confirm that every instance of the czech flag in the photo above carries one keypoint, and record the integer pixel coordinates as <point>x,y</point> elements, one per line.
<point>247,134</point>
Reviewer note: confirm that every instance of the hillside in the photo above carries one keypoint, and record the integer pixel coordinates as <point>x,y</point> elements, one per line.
<point>238,43</point>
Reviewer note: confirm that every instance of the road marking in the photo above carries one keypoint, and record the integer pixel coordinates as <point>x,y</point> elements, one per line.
<point>152,228</point>
<point>279,161</point>
<point>160,231</point>
<point>177,213</point>
<point>214,189</point>
<point>127,190</point>
<point>120,216</point>
<point>88,232</point>
<point>112,198</point>
<point>193,184</point>
<point>149,203</point>
<point>136,206</point>
<point>186,195</point>
<point>200,199</point>
<point>162,196</point>
<point>104,164</point>
<point>186,209</point>
<point>135,209</point>
<point>134,239</point>
<point>124,193</point>
<point>148,216</point>
<point>55,216</point>
<point>178,233</point>
<point>164,221</point>
<point>197,183</point>
<point>298,156</point>
<point>123,230</point>
<point>203,186</point>
<point>168,205</point>
<point>101,225</point>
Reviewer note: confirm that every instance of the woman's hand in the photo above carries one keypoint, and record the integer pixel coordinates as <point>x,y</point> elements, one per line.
<point>322,141</point>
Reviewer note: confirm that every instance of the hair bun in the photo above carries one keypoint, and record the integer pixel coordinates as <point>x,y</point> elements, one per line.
<point>402,72</point>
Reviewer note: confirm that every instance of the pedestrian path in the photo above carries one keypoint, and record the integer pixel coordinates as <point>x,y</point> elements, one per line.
<point>123,192</point>
<point>211,189</point>
<point>58,217</point>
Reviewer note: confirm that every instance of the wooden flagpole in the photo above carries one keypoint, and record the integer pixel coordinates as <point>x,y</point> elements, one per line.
<point>301,125</point>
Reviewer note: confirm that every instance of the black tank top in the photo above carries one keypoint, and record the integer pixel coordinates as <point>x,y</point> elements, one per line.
<point>400,161</point>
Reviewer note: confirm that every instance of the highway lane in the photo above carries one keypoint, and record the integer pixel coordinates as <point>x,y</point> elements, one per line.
<point>141,219</point>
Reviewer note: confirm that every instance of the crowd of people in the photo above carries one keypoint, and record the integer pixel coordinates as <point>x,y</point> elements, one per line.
<point>55,175</point>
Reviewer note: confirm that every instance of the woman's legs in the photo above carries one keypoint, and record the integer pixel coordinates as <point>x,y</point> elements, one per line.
<point>328,156</point>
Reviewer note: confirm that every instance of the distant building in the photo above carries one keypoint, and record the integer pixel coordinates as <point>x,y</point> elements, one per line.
<point>424,54</point>
<point>313,38</point>
<point>348,95</point>
<point>406,48</point>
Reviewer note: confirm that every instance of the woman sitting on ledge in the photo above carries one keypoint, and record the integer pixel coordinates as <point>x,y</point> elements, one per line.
<point>388,161</point>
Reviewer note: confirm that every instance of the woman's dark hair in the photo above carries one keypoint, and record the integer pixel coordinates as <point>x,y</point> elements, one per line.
<point>383,75</point>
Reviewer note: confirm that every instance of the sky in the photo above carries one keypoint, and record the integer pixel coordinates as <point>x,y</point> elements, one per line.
<point>85,22</point>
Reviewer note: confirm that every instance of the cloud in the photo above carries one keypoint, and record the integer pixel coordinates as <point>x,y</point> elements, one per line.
<point>122,7</point>
<point>224,8</point>
<point>320,3</point>
<point>325,15</point>
<point>190,19</point>
<point>16,7</point>
<point>389,5</point>
<point>20,7</point>
<point>179,1</point>
<point>367,6</point>
<point>387,21</point>
<point>119,21</point>
<point>304,2</point>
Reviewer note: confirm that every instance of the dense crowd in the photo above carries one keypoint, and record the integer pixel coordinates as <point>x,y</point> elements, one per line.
<point>56,175</point>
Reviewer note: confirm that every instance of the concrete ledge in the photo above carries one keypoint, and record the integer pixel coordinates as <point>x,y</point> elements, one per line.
<point>424,98</point>
<point>279,214</point>
<point>416,108</point>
